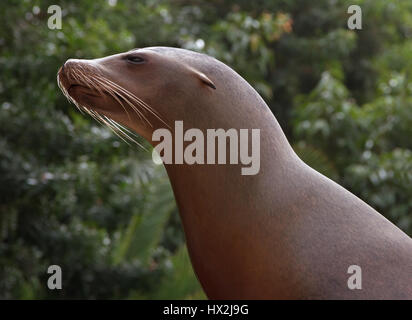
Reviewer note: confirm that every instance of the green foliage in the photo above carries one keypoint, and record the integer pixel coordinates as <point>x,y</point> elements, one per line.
<point>176,284</point>
<point>370,145</point>
<point>72,194</point>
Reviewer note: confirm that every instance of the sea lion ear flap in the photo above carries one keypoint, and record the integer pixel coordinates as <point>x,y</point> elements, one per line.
<point>206,80</point>
<point>202,77</point>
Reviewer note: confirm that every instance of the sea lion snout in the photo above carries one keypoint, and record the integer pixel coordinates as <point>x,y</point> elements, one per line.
<point>70,64</point>
<point>79,65</point>
<point>75,72</point>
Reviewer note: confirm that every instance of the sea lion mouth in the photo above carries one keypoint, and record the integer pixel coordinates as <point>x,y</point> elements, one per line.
<point>78,89</point>
<point>81,93</point>
<point>78,81</point>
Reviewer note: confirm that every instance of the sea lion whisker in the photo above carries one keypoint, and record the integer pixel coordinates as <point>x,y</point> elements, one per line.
<point>126,99</point>
<point>74,76</point>
<point>86,81</point>
<point>145,105</point>
<point>96,86</point>
<point>127,130</point>
<point>139,101</point>
<point>110,92</point>
<point>81,79</point>
<point>115,92</point>
<point>66,94</point>
<point>80,107</point>
<point>117,129</point>
<point>103,121</point>
<point>127,133</point>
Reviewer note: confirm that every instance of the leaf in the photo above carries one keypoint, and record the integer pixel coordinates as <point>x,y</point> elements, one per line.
<point>181,282</point>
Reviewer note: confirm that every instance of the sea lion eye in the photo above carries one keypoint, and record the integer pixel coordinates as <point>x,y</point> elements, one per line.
<point>135,59</point>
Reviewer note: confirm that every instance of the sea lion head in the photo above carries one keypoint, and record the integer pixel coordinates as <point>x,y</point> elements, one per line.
<point>142,89</point>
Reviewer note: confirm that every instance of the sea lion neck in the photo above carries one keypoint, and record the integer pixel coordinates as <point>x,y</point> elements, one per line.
<point>234,105</point>
<point>199,187</point>
<point>219,209</point>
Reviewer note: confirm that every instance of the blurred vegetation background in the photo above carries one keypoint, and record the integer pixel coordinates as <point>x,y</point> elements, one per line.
<point>74,195</point>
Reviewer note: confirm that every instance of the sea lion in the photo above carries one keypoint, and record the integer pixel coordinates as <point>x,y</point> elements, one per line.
<point>287,232</point>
